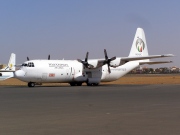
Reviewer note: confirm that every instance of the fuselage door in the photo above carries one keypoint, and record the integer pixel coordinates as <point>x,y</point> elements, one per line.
<point>70,73</point>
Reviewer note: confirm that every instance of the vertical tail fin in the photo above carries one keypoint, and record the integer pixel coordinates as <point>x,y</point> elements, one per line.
<point>12,63</point>
<point>139,46</point>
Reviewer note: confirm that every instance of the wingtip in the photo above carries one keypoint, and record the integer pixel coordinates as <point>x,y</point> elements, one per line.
<point>168,55</point>
<point>171,55</point>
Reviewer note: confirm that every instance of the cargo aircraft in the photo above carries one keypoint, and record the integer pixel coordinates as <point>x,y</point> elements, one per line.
<point>89,71</point>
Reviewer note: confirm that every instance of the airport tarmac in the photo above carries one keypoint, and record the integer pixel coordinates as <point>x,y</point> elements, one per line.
<point>106,109</point>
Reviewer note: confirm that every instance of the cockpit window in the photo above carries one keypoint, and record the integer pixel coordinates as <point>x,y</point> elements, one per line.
<point>24,65</point>
<point>30,64</point>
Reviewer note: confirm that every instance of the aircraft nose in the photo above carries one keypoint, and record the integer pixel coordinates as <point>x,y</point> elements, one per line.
<point>19,73</point>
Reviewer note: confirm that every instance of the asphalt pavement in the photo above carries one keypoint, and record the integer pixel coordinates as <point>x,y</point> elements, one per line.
<point>82,110</point>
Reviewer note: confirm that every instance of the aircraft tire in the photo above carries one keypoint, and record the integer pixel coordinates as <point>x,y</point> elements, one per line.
<point>95,84</point>
<point>89,84</point>
<point>79,84</point>
<point>72,84</point>
<point>31,84</point>
<point>92,84</point>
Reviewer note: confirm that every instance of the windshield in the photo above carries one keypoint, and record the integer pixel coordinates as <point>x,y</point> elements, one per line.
<point>30,64</point>
<point>24,65</point>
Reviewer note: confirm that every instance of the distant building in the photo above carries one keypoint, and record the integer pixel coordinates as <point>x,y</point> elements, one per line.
<point>2,66</point>
<point>174,69</point>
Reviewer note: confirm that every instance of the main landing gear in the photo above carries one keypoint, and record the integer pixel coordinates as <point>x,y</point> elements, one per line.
<point>92,84</point>
<point>80,84</point>
<point>76,84</point>
<point>31,84</point>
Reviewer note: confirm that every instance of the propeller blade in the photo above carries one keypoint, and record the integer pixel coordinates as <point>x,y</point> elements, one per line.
<point>86,56</point>
<point>85,62</point>
<point>107,60</point>
<point>27,58</point>
<point>79,60</point>
<point>113,58</point>
<point>48,57</point>
<point>109,70</point>
<point>105,54</point>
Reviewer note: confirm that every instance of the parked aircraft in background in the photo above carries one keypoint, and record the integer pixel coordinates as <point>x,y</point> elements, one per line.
<point>92,72</point>
<point>10,68</point>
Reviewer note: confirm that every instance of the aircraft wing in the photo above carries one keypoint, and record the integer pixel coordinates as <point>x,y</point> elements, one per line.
<point>145,57</point>
<point>100,62</point>
<point>154,62</point>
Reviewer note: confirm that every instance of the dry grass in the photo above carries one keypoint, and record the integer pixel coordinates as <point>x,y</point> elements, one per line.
<point>148,79</point>
<point>128,79</point>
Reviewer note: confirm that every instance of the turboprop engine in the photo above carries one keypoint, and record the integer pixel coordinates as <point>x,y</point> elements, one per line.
<point>93,64</point>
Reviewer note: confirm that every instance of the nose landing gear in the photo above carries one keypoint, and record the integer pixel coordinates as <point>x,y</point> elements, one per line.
<point>31,84</point>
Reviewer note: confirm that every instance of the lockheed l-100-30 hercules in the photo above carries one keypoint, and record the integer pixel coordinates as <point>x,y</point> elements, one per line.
<point>89,71</point>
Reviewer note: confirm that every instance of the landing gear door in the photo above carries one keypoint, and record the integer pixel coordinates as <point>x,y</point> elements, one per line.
<point>94,77</point>
<point>89,74</point>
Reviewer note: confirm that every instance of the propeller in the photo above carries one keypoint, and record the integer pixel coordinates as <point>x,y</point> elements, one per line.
<point>107,60</point>
<point>85,62</point>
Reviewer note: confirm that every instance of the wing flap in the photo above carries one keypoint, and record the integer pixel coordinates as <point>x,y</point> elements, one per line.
<point>146,57</point>
<point>154,62</point>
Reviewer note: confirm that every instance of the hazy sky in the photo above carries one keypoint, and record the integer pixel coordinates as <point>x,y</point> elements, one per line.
<point>69,28</point>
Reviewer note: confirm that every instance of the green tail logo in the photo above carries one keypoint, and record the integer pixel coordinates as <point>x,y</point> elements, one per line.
<point>140,45</point>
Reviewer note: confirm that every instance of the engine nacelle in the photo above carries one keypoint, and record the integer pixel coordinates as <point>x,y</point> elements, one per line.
<point>94,63</point>
<point>116,62</point>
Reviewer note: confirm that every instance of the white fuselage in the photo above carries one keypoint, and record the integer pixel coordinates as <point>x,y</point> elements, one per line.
<point>66,71</point>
